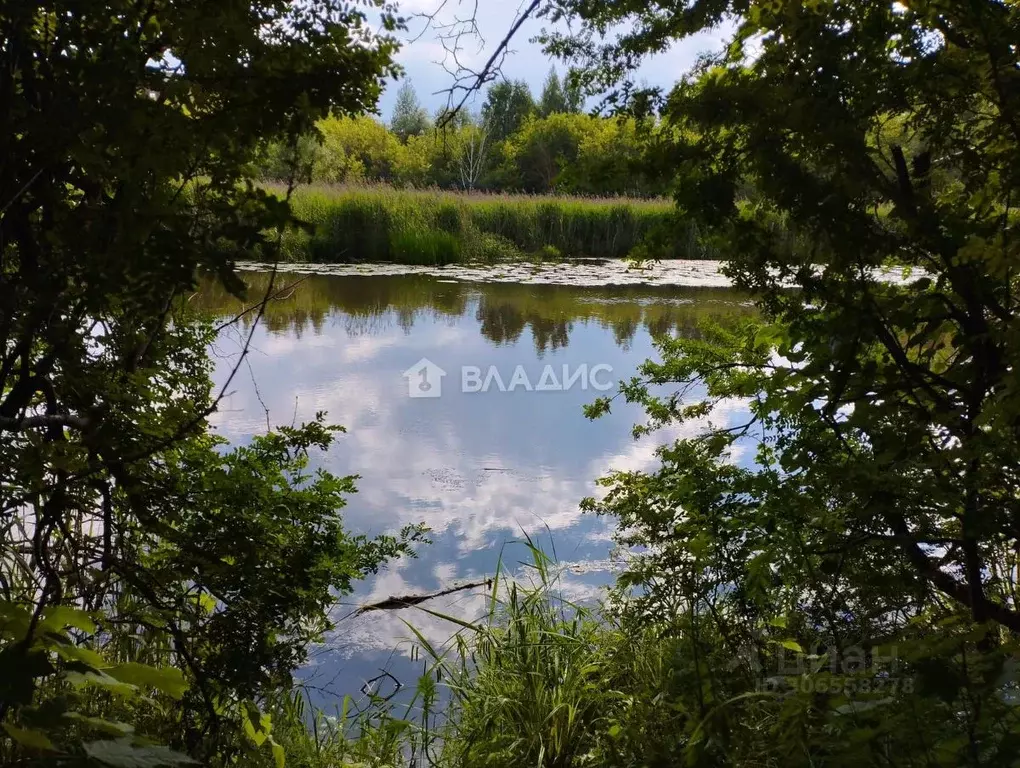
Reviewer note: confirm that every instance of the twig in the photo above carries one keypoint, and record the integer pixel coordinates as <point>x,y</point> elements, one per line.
<point>409,601</point>
<point>262,302</point>
<point>475,80</point>
<point>21,191</point>
<point>368,684</point>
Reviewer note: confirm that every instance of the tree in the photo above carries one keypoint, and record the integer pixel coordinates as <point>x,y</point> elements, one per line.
<point>356,149</point>
<point>553,99</point>
<point>450,120</point>
<point>473,154</point>
<point>539,156</point>
<point>128,135</point>
<point>507,105</point>
<point>881,508</point>
<point>573,93</point>
<point>409,117</point>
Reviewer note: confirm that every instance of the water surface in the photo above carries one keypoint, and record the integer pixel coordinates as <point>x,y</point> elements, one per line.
<point>481,469</point>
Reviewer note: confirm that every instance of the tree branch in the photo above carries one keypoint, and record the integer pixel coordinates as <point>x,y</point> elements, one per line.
<point>16,424</point>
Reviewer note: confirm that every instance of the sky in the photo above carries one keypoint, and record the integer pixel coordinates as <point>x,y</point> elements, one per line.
<point>423,53</point>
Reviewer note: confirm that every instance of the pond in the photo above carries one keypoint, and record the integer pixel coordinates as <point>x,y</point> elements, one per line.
<point>494,450</point>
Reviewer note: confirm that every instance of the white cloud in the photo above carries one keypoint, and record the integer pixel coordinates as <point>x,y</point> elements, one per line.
<point>467,479</point>
<point>526,61</point>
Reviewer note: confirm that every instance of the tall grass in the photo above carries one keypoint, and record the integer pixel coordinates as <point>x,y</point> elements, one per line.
<point>540,681</point>
<point>435,227</point>
<point>544,682</point>
<point>547,682</point>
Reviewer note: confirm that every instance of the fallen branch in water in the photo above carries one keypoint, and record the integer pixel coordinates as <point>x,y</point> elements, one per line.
<point>409,601</point>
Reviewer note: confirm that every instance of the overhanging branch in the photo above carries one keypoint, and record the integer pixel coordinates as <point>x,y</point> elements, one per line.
<point>15,424</point>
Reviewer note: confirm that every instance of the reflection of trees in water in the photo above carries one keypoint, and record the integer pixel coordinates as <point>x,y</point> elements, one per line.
<point>405,319</point>
<point>316,300</point>
<point>549,334</point>
<point>659,326</point>
<point>624,331</point>
<point>501,322</point>
<point>374,304</point>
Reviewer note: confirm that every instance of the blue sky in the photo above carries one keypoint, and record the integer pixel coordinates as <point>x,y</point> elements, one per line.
<point>422,57</point>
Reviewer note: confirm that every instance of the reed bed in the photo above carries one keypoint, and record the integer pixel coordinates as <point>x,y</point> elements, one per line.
<point>343,224</point>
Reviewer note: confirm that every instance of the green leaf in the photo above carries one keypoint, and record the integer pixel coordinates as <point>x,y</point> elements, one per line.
<point>207,602</point>
<point>71,652</point>
<point>790,644</point>
<point>14,619</point>
<point>60,616</point>
<point>279,756</point>
<point>102,680</point>
<point>258,737</point>
<point>122,753</point>
<point>169,680</point>
<point>114,727</point>
<point>30,738</point>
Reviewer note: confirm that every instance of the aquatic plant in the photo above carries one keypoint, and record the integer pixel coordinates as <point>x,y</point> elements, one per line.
<point>355,223</point>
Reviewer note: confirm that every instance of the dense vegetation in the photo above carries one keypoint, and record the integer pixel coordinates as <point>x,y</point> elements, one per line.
<point>156,586</point>
<point>556,183</point>
<point>874,536</point>
<point>513,145</point>
<point>847,598</point>
<point>431,227</point>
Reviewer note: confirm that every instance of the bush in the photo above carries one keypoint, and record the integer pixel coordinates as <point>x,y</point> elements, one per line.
<point>492,247</point>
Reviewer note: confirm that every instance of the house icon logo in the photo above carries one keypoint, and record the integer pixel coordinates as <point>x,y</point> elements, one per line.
<point>424,379</point>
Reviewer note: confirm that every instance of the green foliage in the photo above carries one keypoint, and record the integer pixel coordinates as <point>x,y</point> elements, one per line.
<point>559,96</point>
<point>360,224</point>
<point>563,152</point>
<point>52,649</point>
<point>538,154</point>
<point>577,154</point>
<point>409,117</point>
<point>553,100</point>
<point>153,582</point>
<point>860,510</point>
<point>425,246</point>
<point>354,734</point>
<point>354,149</point>
<point>507,105</point>
<point>543,681</point>
<point>497,248</point>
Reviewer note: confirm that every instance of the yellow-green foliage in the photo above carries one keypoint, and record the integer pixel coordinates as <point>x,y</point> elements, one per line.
<point>575,153</point>
<point>356,149</point>
<point>384,224</point>
<point>563,152</point>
